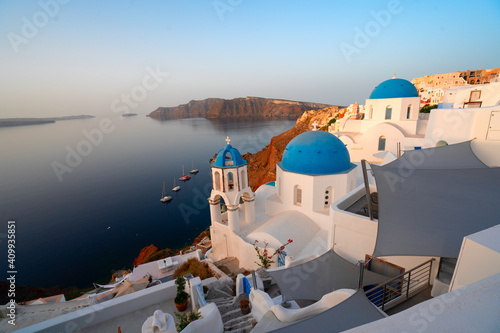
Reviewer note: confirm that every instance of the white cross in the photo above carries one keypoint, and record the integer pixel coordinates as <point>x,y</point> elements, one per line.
<point>315,126</point>
<point>228,140</point>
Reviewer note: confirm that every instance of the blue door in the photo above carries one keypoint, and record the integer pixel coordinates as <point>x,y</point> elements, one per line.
<point>281,258</point>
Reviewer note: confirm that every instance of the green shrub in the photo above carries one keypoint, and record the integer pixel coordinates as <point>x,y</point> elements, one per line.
<point>182,295</point>
<point>428,108</point>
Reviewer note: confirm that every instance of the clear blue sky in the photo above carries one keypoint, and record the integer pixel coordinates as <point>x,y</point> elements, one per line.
<point>86,54</point>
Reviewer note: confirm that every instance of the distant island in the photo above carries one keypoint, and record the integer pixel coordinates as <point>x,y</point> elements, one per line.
<point>241,107</point>
<point>9,122</point>
<point>129,114</point>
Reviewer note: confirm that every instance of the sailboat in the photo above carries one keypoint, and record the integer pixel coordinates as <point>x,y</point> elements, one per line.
<point>193,169</point>
<point>184,176</point>
<point>164,196</point>
<point>176,188</point>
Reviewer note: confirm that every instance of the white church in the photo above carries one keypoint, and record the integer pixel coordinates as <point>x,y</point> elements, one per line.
<point>391,116</point>
<point>315,171</point>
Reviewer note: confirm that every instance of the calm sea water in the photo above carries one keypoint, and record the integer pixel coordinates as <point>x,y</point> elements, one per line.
<point>97,219</point>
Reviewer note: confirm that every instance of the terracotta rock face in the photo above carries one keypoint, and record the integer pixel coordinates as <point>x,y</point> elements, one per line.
<point>262,165</point>
<point>146,252</point>
<point>216,108</point>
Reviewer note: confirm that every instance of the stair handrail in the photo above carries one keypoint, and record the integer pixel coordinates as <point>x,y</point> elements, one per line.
<point>386,287</point>
<point>399,276</point>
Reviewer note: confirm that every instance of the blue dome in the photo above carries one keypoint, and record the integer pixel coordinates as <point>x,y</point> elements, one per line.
<point>316,152</point>
<point>394,88</point>
<point>228,157</point>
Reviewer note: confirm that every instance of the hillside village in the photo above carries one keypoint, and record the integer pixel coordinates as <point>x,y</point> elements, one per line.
<point>357,219</point>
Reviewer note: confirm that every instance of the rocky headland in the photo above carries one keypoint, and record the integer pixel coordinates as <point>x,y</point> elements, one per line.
<point>9,122</point>
<point>241,107</point>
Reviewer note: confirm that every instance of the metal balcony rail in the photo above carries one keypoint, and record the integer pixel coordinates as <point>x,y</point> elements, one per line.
<point>401,287</point>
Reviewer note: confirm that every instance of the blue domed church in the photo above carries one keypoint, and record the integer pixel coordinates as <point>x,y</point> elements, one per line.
<point>315,171</point>
<point>389,116</point>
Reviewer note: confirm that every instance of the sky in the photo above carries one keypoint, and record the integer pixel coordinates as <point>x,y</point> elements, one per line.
<point>69,57</point>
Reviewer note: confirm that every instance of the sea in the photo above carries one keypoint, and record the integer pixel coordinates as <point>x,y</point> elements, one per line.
<point>84,195</point>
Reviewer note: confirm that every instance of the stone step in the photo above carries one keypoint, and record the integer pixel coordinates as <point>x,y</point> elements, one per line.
<point>447,265</point>
<point>240,324</point>
<point>215,293</point>
<point>225,309</point>
<point>222,301</point>
<point>246,329</point>
<point>238,320</point>
<point>225,261</point>
<point>230,314</point>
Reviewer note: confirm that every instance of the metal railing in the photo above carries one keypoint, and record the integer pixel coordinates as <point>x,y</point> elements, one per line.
<point>401,287</point>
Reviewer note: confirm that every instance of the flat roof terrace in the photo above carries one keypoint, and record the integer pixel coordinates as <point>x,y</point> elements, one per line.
<point>360,206</point>
<point>128,312</point>
<point>133,321</point>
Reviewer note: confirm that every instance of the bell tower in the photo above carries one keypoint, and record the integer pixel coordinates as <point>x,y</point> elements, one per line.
<point>230,183</point>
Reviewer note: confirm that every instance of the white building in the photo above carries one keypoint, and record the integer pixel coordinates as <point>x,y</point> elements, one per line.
<point>474,96</point>
<point>392,117</point>
<point>315,171</point>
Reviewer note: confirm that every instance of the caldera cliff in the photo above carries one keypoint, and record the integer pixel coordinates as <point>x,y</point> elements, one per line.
<point>262,165</point>
<point>236,108</point>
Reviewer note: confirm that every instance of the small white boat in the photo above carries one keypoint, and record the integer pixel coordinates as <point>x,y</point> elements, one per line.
<point>193,169</point>
<point>164,196</point>
<point>184,177</point>
<point>176,188</point>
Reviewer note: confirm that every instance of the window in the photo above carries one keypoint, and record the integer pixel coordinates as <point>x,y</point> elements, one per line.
<point>381,143</point>
<point>328,196</point>
<point>228,159</point>
<point>230,181</point>
<point>475,95</point>
<point>370,112</point>
<point>441,143</point>
<point>297,195</point>
<point>388,112</point>
<point>278,183</point>
<point>408,112</point>
<point>217,180</point>
<point>243,181</point>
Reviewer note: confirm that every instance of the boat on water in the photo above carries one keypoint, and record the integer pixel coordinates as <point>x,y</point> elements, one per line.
<point>176,188</point>
<point>193,170</point>
<point>184,176</point>
<point>164,197</point>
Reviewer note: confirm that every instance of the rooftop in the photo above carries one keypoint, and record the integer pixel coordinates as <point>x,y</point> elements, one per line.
<point>317,153</point>
<point>228,157</point>
<point>394,88</point>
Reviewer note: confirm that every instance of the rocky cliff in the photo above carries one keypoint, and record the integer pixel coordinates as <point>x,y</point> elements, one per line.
<point>236,108</point>
<point>262,165</point>
<point>152,253</point>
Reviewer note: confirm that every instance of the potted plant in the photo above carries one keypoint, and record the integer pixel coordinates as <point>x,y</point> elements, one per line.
<point>245,306</point>
<point>181,299</point>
